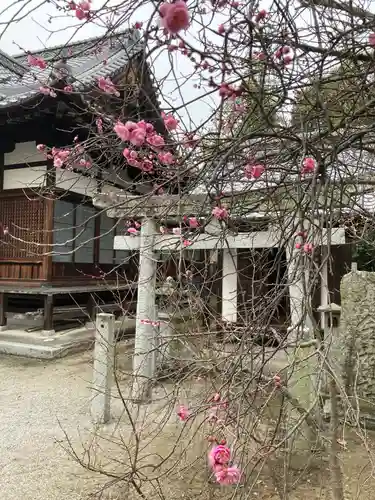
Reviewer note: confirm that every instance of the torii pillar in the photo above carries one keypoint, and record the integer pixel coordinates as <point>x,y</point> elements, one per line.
<point>146,329</point>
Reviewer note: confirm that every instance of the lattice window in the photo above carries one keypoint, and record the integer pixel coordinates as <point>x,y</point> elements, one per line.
<point>24,219</point>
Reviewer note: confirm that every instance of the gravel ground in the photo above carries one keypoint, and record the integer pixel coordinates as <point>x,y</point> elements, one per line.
<point>37,400</point>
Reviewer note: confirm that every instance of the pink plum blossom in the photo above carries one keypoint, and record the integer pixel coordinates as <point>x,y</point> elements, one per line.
<point>122,131</point>
<point>277,380</point>
<point>41,147</point>
<point>220,213</point>
<point>219,455</point>
<point>47,91</point>
<point>176,231</point>
<point>253,171</point>
<point>82,10</point>
<point>170,121</point>
<point>225,90</point>
<point>174,16</point>
<point>298,246</point>
<point>107,86</point>
<point>166,158</point>
<point>221,29</point>
<point>37,62</point>
<point>261,56</point>
<point>130,132</point>
<point>132,231</point>
<point>287,60</point>
<point>193,222</point>
<point>68,88</point>
<point>138,137</point>
<point>57,162</point>
<point>85,163</point>
<point>147,166</point>
<point>308,248</point>
<point>147,127</point>
<point>187,243</point>
<point>308,166</point>
<point>228,475</point>
<point>183,413</point>
<point>261,16</point>
<point>156,141</point>
<point>371,39</point>
<point>81,14</point>
<point>84,5</point>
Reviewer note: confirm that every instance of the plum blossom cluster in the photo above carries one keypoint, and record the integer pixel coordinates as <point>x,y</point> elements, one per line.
<point>302,244</point>
<point>284,55</point>
<point>143,134</point>
<point>37,62</point>
<point>220,213</point>
<point>133,227</point>
<point>219,456</point>
<point>66,157</point>
<point>229,91</point>
<point>174,17</point>
<point>45,90</point>
<point>220,461</point>
<point>81,9</point>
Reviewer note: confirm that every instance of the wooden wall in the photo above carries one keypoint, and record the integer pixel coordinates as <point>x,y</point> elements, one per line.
<point>23,236</point>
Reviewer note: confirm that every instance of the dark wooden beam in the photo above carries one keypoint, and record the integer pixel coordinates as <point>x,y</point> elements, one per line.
<point>48,226</point>
<point>1,171</point>
<point>3,309</point>
<point>48,313</point>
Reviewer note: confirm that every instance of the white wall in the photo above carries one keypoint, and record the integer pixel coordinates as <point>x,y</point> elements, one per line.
<point>229,285</point>
<point>75,182</point>
<point>24,152</point>
<point>21,178</point>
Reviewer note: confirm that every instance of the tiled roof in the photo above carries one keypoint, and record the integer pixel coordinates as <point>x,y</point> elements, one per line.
<point>19,82</point>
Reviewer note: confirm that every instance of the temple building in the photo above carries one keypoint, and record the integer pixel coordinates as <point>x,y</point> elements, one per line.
<point>55,247</point>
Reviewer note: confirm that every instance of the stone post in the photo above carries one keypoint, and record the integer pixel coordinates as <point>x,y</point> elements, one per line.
<point>357,343</point>
<point>302,362</point>
<point>103,367</point>
<point>146,325</point>
<point>166,335</point>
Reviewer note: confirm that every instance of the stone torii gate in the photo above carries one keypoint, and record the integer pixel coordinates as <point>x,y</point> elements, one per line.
<point>152,209</point>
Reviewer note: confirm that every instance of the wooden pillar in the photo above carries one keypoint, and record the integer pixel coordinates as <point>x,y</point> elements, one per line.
<point>48,315</point>
<point>91,309</point>
<point>3,310</point>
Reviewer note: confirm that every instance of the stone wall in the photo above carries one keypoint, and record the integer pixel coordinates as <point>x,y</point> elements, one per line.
<point>357,338</point>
